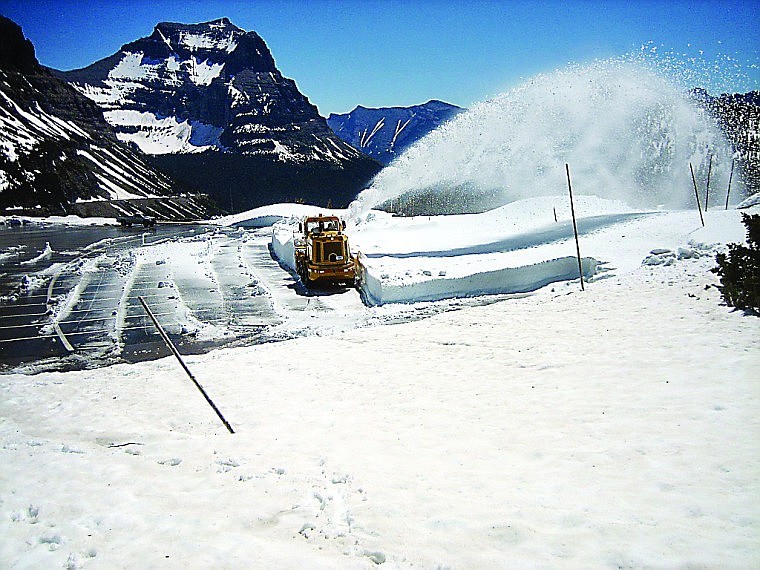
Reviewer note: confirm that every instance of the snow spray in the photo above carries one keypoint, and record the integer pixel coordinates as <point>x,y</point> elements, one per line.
<point>627,130</point>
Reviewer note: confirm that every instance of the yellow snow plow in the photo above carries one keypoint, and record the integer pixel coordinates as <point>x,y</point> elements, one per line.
<point>322,254</point>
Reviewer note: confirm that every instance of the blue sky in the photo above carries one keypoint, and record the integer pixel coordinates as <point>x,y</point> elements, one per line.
<point>403,52</point>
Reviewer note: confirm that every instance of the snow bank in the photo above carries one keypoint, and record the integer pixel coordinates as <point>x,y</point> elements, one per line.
<point>283,243</point>
<point>517,248</point>
<point>266,216</point>
<point>72,220</point>
<point>379,290</point>
<point>46,253</point>
<point>753,200</point>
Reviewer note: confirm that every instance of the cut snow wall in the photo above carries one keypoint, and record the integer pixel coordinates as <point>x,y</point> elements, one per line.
<point>508,280</point>
<point>378,291</point>
<point>282,244</point>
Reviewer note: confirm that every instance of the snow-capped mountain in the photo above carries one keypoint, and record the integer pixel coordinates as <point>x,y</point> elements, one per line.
<point>386,132</point>
<point>57,153</point>
<point>214,88</point>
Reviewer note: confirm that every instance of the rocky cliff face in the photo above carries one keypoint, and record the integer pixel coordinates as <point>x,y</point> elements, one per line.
<point>57,153</point>
<point>210,96</point>
<point>386,132</point>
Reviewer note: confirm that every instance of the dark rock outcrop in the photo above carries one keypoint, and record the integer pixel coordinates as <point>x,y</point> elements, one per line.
<point>57,153</point>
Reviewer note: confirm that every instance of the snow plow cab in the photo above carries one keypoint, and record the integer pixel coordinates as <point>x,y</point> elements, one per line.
<point>322,254</point>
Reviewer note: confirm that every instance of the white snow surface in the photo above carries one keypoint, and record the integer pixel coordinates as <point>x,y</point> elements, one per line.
<point>614,427</point>
<point>513,249</point>
<point>753,200</point>
<point>134,67</point>
<point>264,216</point>
<point>165,135</point>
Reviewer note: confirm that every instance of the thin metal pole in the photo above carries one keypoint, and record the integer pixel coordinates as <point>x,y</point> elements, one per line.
<point>696,194</point>
<point>575,227</point>
<point>730,177</point>
<point>707,191</point>
<point>176,353</point>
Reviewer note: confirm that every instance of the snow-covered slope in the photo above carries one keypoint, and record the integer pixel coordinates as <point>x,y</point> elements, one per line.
<point>516,248</point>
<point>616,427</point>
<point>57,152</point>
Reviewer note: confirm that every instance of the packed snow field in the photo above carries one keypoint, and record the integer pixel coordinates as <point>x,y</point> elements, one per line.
<point>612,427</point>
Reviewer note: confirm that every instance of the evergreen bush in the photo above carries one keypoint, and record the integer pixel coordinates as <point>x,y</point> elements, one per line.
<point>739,268</point>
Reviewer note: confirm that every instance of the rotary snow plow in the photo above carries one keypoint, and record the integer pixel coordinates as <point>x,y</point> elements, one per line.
<point>322,254</point>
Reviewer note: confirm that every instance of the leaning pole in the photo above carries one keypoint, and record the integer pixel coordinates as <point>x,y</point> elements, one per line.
<point>575,227</point>
<point>696,194</point>
<point>176,353</point>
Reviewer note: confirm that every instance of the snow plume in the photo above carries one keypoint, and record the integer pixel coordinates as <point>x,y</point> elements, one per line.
<point>625,128</point>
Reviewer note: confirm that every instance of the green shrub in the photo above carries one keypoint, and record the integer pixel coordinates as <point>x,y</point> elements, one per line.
<point>739,269</point>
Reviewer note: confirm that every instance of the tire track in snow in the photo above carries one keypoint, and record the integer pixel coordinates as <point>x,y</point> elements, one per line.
<point>244,302</point>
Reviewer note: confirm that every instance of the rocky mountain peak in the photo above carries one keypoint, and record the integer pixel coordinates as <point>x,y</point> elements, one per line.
<point>57,153</point>
<point>197,89</point>
<point>208,39</point>
<point>194,87</point>
<point>16,52</point>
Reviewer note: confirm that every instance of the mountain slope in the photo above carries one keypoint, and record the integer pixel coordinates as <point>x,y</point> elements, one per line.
<point>386,132</point>
<point>57,153</point>
<point>214,89</point>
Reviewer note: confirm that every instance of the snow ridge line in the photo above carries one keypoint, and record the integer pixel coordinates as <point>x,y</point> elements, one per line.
<point>49,303</point>
<point>121,311</point>
<point>251,271</point>
<point>63,309</point>
<point>183,310</point>
<point>213,275</point>
<point>399,128</point>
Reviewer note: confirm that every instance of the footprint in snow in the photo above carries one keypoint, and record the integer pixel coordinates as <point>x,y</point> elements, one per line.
<point>52,541</point>
<point>172,462</point>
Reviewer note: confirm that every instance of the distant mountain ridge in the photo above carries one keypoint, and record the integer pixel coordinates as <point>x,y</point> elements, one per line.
<point>214,89</point>
<point>386,132</point>
<point>59,156</point>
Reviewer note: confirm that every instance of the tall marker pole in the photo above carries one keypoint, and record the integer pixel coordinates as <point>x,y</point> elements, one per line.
<point>707,191</point>
<point>730,177</point>
<point>575,226</point>
<point>696,194</point>
<point>176,353</point>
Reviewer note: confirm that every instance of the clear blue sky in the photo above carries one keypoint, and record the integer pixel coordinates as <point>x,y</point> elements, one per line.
<point>403,52</point>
